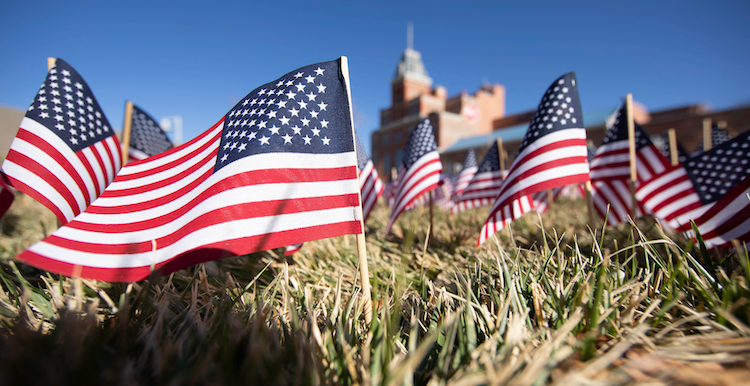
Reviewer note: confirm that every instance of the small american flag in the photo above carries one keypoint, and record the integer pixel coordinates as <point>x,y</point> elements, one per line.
<point>370,188</point>
<point>468,170</point>
<point>710,189</point>
<point>610,169</point>
<point>552,154</point>
<point>420,169</point>
<point>65,152</point>
<point>278,169</point>
<point>484,186</point>
<point>718,137</point>
<point>146,136</point>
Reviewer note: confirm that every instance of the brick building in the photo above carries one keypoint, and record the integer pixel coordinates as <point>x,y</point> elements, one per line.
<point>413,98</point>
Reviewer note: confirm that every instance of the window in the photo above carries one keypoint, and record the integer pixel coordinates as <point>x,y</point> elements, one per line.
<point>387,163</point>
<point>397,160</point>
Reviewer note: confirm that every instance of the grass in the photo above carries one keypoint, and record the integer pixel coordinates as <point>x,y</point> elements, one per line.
<point>558,303</point>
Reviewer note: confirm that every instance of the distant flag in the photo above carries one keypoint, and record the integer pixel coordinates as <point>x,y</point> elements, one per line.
<point>292,249</point>
<point>665,151</point>
<point>718,137</point>
<point>541,199</point>
<point>710,189</point>
<point>552,154</point>
<point>65,152</point>
<point>467,173</point>
<point>389,190</point>
<point>146,136</point>
<point>420,169</point>
<point>443,192</point>
<point>370,188</point>
<point>610,169</point>
<point>278,169</point>
<point>484,186</point>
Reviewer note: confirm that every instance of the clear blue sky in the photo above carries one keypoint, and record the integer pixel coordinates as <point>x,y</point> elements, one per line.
<point>197,59</point>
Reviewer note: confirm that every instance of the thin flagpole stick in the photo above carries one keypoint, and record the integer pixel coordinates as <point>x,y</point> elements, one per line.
<point>673,155</point>
<point>589,203</point>
<point>364,272</point>
<point>51,63</point>
<point>631,146</point>
<point>501,154</point>
<point>549,199</point>
<point>432,204</point>
<point>707,137</point>
<point>126,131</point>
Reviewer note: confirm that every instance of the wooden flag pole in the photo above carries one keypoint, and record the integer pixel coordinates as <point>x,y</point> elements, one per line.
<point>707,137</point>
<point>631,146</point>
<point>589,203</point>
<point>673,154</point>
<point>51,63</point>
<point>126,131</point>
<point>501,154</point>
<point>364,271</point>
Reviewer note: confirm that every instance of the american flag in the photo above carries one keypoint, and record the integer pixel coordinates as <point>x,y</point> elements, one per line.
<point>710,189</point>
<point>146,136</point>
<point>370,188</point>
<point>389,191</point>
<point>65,152</point>
<point>278,169</point>
<point>468,170</point>
<point>420,169</point>
<point>666,152</point>
<point>484,185</point>
<point>610,169</point>
<point>552,154</point>
<point>541,199</point>
<point>718,137</point>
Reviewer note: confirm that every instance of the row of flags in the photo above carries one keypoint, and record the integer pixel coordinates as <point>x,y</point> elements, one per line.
<point>283,166</point>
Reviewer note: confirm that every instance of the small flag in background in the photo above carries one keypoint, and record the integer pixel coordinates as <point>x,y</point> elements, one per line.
<point>710,188</point>
<point>552,154</point>
<point>681,153</point>
<point>484,186</point>
<point>610,169</point>
<point>146,136</point>
<point>371,187</point>
<point>278,169</point>
<point>718,137</point>
<point>65,152</point>
<point>467,173</point>
<point>420,169</point>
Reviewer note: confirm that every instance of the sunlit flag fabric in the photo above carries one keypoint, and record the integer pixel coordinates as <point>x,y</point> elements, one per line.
<point>553,153</point>
<point>65,152</point>
<point>419,171</point>
<point>610,170</point>
<point>370,188</point>
<point>146,136</point>
<point>278,169</point>
<point>484,186</point>
<point>710,189</point>
<point>468,170</point>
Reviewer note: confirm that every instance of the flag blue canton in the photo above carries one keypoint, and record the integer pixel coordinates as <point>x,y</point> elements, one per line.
<point>361,154</point>
<point>66,105</point>
<point>304,111</point>
<point>470,160</point>
<point>717,171</point>
<point>491,161</point>
<point>619,131</point>
<point>559,109</point>
<point>421,141</point>
<point>146,135</point>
